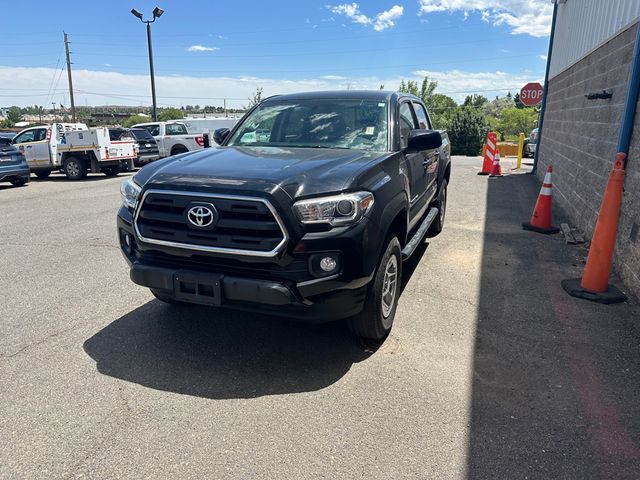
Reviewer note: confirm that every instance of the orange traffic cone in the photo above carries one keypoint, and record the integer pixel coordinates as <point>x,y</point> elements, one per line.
<point>594,284</point>
<point>489,153</point>
<point>496,171</point>
<point>541,218</point>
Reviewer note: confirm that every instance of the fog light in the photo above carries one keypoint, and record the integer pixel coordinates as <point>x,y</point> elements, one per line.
<point>127,240</point>
<point>328,264</point>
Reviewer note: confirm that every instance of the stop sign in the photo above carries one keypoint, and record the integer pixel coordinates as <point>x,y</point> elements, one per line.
<point>531,94</point>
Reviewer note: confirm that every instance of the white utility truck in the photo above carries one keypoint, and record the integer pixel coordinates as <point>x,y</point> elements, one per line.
<point>75,150</point>
<point>173,137</point>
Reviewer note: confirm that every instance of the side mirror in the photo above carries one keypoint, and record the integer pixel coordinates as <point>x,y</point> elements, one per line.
<point>220,135</point>
<point>424,140</point>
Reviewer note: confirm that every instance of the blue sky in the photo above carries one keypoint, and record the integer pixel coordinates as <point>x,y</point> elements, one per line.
<point>206,51</point>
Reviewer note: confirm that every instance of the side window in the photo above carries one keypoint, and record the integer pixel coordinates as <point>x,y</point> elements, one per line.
<point>41,134</point>
<point>407,123</point>
<point>153,129</point>
<point>421,113</point>
<point>25,137</point>
<point>175,129</point>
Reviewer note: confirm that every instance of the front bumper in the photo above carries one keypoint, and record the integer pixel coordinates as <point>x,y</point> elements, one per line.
<point>250,294</point>
<point>8,172</point>
<point>282,286</point>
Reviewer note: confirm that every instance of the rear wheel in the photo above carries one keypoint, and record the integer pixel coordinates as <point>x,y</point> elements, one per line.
<point>376,319</point>
<point>178,150</point>
<point>42,173</point>
<point>18,181</point>
<point>75,168</point>
<point>441,205</point>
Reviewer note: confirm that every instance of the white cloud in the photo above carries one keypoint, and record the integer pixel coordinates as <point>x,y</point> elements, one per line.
<point>201,48</point>
<point>531,17</point>
<point>542,57</point>
<point>382,21</point>
<point>458,84</point>
<point>102,88</point>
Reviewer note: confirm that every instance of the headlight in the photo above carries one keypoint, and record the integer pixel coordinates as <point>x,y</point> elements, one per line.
<point>335,210</point>
<point>130,191</point>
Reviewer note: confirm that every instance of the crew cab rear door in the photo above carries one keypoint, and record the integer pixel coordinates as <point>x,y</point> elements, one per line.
<point>431,157</point>
<point>415,163</point>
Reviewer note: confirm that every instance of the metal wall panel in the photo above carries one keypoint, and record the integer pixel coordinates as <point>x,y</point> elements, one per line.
<point>584,25</point>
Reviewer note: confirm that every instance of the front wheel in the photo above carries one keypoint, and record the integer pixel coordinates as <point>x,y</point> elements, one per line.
<point>42,173</point>
<point>111,171</point>
<point>376,319</point>
<point>75,168</point>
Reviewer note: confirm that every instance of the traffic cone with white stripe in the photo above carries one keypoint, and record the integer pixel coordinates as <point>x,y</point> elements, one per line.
<point>489,152</point>
<point>496,171</point>
<point>542,212</point>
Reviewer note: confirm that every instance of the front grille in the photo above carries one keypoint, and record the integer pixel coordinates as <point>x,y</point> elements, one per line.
<point>244,225</point>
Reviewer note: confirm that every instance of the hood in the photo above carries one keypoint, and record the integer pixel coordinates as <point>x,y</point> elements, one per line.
<point>297,171</point>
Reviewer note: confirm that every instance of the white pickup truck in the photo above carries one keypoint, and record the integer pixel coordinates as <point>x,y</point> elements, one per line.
<point>74,149</point>
<point>173,137</point>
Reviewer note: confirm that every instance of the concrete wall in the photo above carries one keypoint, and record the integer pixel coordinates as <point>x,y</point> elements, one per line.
<point>580,138</point>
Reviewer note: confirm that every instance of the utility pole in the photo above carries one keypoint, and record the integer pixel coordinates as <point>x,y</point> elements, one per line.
<point>225,107</point>
<point>55,118</point>
<point>73,105</point>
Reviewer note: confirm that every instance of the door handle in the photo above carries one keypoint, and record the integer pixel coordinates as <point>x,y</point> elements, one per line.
<point>28,146</point>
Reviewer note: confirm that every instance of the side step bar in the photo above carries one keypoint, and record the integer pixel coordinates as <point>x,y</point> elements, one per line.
<point>412,244</point>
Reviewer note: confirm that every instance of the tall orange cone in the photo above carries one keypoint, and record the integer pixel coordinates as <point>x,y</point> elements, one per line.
<point>594,284</point>
<point>496,171</point>
<point>489,153</point>
<point>542,212</point>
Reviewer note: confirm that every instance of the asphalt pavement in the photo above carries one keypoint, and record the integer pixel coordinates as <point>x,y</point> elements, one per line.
<point>491,370</point>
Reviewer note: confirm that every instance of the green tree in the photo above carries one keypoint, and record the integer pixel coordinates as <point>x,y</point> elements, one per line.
<point>170,114</point>
<point>135,119</point>
<point>424,91</point>
<point>495,107</point>
<point>14,115</point>
<point>475,101</point>
<point>467,131</point>
<point>515,120</point>
<point>441,108</point>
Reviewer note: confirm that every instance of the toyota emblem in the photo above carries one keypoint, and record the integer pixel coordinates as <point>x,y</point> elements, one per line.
<point>202,216</point>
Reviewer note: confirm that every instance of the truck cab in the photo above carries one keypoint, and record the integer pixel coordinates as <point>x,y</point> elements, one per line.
<point>173,138</point>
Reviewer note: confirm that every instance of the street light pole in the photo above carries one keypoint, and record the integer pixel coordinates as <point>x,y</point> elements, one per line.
<point>154,111</point>
<point>157,13</point>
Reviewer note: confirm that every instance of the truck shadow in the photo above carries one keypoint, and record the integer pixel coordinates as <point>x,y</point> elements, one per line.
<point>221,354</point>
<point>555,379</point>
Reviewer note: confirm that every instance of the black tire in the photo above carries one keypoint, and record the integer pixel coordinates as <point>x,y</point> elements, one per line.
<point>376,319</point>
<point>178,150</point>
<point>111,171</point>
<point>42,173</point>
<point>441,205</point>
<point>75,168</point>
<point>163,297</point>
<point>18,181</point>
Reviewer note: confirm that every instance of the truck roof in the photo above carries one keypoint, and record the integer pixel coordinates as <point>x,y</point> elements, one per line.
<point>380,95</point>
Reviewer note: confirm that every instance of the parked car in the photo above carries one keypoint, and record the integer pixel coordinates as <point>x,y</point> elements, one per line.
<point>307,210</point>
<point>13,164</point>
<point>147,150</point>
<point>529,149</point>
<point>74,149</point>
<point>173,138</point>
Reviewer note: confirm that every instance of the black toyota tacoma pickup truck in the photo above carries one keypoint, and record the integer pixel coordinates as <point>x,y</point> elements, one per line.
<point>306,210</point>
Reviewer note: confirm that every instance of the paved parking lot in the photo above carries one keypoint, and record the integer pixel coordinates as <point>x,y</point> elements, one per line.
<point>491,371</point>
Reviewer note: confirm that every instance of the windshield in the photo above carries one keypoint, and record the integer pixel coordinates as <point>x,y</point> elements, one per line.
<point>313,123</point>
<point>142,134</point>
